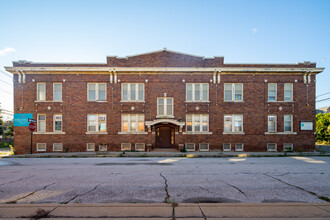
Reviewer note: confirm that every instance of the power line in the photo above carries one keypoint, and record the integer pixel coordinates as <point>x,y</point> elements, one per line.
<point>4,110</point>
<point>323,100</point>
<point>6,82</point>
<point>323,94</point>
<point>6,74</point>
<point>6,91</point>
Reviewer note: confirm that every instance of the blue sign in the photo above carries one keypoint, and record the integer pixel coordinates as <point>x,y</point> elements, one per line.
<point>22,119</point>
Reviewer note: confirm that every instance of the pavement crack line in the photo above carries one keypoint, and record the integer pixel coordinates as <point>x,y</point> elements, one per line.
<point>16,180</point>
<point>235,187</point>
<point>205,189</point>
<point>30,194</point>
<point>298,187</point>
<point>204,216</point>
<point>73,198</point>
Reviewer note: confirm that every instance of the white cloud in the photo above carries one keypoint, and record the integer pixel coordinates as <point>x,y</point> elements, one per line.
<point>254,30</point>
<point>6,50</point>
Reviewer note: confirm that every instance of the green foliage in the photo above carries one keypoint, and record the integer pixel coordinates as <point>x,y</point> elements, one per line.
<point>323,127</point>
<point>1,124</point>
<point>10,131</point>
<point>5,145</point>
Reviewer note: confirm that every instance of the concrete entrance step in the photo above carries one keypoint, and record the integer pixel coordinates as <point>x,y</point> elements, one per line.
<point>165,150</point>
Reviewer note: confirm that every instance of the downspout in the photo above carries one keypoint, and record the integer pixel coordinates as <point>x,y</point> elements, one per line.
<point>23,76</point>
<point>111,76</point>
<point>19,76</point>
<point>115,76</point>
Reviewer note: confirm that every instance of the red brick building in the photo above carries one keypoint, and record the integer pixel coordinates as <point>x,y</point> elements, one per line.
<point>165,99</point>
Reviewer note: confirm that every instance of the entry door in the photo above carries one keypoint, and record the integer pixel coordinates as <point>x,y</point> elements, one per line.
<point>164,137</point>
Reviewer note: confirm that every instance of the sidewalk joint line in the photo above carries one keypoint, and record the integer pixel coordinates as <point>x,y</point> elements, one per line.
<point>204,216</point>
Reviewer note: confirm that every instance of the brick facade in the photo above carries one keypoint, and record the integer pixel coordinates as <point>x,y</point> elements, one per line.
<point>160,73</point>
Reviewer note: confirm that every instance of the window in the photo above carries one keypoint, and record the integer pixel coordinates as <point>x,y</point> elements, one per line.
<point>271,147</point>
<point>125,146</point>
<point>96,123</point>
<point>233,91</point>
<point>288,123</point>
<point>41,146</point>
<point>41,122</point>
<point>288,147</point>
<point>90,146</point>
<point>272,91</point>
<point>57,147</point>
<point>57,92</point>
<point>197,92</point>
<point>96,91</point>
<point>190,147</point>
<point>132,123</point>
<point>103,147</point>
<point>203,147</point>
<point>272,123</point>
<point>197,123</point>
<point>288,88</point>
<point>41,91</point>
<point>233,123</point>
<point>57,122</point>
<point>239,147</point>
<point>226,147</point>
<point>164,106</point>
<point>132,92</point>
<point>140,147</point>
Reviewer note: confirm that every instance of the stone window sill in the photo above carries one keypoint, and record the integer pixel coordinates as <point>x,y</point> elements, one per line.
<point>164,116</point>
<point>132,101</point>
<point>96,132</point>
<point>240,132</point>
<point>233,101</point>
<point>132,132</point>
<point>97,101</point>
<point>48,132</point>
<point>280,101</point>
<point>46,101</point>
<point>285,133</point>
<point>197,132</point>
<point>197,101</point>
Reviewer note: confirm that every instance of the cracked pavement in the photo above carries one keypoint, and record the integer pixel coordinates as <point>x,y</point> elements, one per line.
<point>160,180</point>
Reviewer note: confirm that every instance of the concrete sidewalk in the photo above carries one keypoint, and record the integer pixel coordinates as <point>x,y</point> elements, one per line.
<point>167,211</point>
<point>170,154</point>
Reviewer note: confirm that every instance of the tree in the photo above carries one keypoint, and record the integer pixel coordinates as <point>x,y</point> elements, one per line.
<point>323,127</point>
<point>10,131</point>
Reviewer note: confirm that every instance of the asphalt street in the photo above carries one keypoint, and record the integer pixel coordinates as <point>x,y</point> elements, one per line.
<point>156,180</point>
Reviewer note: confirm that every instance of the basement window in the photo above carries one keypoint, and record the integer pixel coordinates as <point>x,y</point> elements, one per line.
<point>190,147</point>
<point>41,146</point>
<point>140,147</point>
<point>239,147</point>
<point>288,147</point>
<point>125,146</point>
<point>203,147</point>
<point>226,147</point>
<point>272,147</point>
<point>103,147</point>
<point>57,147</point>
<point>90,146</point>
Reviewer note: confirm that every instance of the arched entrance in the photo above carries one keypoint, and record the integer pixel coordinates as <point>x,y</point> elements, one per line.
<point>164,130</point>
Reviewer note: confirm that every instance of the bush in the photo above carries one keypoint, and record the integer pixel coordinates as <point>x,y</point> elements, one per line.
<point>6,145</point>
<point>323,128</point>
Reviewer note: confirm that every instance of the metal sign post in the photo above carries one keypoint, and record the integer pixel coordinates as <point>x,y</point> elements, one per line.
<point>32,127</point>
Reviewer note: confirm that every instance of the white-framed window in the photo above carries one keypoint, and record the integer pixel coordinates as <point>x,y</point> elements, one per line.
<point>90,146</point>
<point>197,92</point>
<point>288,123</point>
<point>190,147</point>
<point>41,91</point>
<point>239,147</point>
<point>96,91</point>
<point>132,92</point>
<point>203,147</point>
<point>57,122</point>
<point>57,147</point>
<point>132,122</point>
<point>197,123</point>
<point>272,91</point>
<point>140,147</point>
<point>125,146</point>
<point>41,123</point>
<point>103,147</point>
<point>97,122</point>
<point>233,123</point>
<point>226,147</point>
<point>41,146</point>
<point>165,106</point>
<point>272,147</point>
<point>272,123</point>
<point>233,92</point>
<point>57,91</point>
<point>288,147</point>
<point>288,92</point>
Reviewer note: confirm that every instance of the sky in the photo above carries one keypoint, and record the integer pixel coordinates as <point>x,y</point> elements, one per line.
<point>242,31</point>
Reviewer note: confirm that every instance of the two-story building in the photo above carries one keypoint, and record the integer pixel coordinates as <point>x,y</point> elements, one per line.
<point>165,99</point>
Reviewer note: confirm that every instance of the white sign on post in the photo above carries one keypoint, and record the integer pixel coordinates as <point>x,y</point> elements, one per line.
<point>306,126</point>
